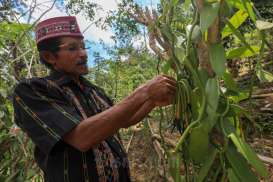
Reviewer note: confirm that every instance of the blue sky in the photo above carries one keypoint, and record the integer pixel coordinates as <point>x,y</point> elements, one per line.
<point>93,33</point>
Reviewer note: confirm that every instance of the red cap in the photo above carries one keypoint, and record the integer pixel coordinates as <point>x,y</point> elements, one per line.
<point>58,26</point>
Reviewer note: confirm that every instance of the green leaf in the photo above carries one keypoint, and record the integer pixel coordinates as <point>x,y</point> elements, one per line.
<point>242,95</point>
<point>186,4</point>
<point>166,67</point>
<point>180,40</point>
<point>174,2</point>
<point>232,176</point>
<point>179,53</point>
<point>248,7</point>
<point>2,114</point>
<point>211,120</point>
<point>235,3</point>
<point>195,102</point>
<point>238,35</point>
<point>167,32</point>
<point>196,32</point>
<point>248,153</point>
<point>206,165</point>
<point>198,144</point>
<point>227,126</point>
<point>3,93</point>
<point>264,76</point>
<point>174,167</point>
<point>242,52</point>
<point>236,20</point>
<point>239,165</point>
<point>203,75</point>
<point>208,15</point>
<point>10,31</point>
<point>239,110</point>
<point>263,25</point>
<point>212,93</point>
<point>217,58</point>
<point>229,82</point>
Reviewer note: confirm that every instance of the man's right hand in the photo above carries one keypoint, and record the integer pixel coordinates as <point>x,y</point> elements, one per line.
<point>161,90</point>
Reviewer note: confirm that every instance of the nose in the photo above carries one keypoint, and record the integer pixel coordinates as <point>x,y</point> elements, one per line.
<point>83,53</point>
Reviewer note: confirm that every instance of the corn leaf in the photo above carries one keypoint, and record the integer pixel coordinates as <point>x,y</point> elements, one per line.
<point>217,58</point>
<point>236,20</point>
<point>249,154</point>
<point>208,15</point>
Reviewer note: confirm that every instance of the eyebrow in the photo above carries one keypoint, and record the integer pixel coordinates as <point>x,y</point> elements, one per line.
<point>71,43</point>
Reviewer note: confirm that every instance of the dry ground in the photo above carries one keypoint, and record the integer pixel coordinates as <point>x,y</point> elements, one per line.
<point>144,161</point>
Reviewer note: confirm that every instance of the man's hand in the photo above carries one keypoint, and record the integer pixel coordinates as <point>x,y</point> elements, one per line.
<point>161,90</point>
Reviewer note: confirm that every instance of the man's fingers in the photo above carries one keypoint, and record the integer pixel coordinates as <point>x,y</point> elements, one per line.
<point>167,76</point>
<point>170,81</point>
<point>172,88</point>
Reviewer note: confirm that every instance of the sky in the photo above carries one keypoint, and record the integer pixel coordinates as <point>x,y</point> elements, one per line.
<point>93,33</point>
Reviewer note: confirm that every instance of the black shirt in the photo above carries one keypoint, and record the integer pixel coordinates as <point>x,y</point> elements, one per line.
<point>47,109</point>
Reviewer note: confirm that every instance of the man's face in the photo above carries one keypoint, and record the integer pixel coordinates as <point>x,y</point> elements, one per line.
<point>72,56</point>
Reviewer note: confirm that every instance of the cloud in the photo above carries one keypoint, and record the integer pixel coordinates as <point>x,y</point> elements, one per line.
<point>92,33</point>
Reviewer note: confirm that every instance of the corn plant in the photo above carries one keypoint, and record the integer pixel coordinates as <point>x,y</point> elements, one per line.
<point>212,146</point>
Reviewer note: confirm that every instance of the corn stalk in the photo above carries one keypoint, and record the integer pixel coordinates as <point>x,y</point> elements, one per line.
<point>212,146</point>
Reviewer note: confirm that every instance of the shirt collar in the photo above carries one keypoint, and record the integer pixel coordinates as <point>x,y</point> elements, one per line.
<point>61,78</point>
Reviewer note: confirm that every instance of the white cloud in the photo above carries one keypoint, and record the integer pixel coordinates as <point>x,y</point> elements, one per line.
<point>92,33</point>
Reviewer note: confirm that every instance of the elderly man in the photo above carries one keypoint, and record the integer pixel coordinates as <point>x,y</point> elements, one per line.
<point>72,123</point>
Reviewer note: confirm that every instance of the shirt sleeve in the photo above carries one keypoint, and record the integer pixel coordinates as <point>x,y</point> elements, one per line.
<point>43,113</point>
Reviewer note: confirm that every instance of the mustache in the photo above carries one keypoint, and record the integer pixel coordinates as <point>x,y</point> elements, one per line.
<point>81,62</point>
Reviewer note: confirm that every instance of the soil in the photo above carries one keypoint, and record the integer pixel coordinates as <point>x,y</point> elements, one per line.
<point>144,161</point>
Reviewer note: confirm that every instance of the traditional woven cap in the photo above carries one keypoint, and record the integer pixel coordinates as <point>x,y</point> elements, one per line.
<point>58,26</point>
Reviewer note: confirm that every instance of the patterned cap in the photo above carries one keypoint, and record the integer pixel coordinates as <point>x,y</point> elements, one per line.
<point>58,26</point>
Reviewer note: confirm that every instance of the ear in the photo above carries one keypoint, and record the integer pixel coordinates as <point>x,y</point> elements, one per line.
<point>48,57</point>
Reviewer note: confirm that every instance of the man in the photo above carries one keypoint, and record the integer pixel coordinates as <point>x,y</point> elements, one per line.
<point>71,121</point>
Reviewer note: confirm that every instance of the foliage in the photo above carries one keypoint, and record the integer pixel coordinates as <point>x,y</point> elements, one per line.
<point>10,8</point>
<point>123,25</point>
<point>81,6</point>
<point>126,70</point>
<point>207,112</point>
<point>18,60</point>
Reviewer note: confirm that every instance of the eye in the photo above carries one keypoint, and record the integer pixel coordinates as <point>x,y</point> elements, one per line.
<point>73,48</point>
<point>83,46</point>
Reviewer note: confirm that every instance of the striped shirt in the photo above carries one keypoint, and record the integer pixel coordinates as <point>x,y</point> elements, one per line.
<point>50,107</point>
